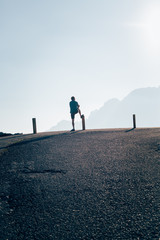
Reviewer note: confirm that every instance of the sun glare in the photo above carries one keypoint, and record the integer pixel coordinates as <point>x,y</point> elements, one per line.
<point>149,23</point>
<point>152,27</point>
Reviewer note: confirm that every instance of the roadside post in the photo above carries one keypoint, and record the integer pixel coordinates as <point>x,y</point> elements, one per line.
<point>134,121</point>
<point>34,125</point>
<point>83,122</point>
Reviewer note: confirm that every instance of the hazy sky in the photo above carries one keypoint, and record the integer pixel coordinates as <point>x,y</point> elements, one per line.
<point>93,49</point>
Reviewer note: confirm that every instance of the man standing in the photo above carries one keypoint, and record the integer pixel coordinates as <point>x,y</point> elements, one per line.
<point>74,109</point>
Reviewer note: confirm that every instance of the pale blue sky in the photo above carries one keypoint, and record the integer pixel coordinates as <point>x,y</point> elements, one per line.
<point>92,49</point>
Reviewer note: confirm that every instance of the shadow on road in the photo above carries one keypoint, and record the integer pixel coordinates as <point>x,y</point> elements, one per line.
<point>41,138</point>
<point>130,130</point>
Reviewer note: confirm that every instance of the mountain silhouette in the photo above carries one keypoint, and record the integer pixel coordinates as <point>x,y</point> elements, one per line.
<point>144,102</point>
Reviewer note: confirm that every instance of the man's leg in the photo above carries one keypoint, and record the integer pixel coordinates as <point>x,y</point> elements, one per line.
<point>72,117</point>
<point>73,123</point>
<point>79,112</point>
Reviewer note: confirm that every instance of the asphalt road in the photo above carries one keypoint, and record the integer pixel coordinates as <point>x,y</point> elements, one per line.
<point>86,185</point>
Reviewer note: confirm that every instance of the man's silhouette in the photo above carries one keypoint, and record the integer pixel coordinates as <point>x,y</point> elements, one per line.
<point>74,109</point>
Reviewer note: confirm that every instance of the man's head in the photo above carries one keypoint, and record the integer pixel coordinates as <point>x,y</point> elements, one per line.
<point>73,98</point>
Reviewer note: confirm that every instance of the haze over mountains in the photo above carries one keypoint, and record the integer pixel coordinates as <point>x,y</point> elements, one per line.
<point>144,102</point>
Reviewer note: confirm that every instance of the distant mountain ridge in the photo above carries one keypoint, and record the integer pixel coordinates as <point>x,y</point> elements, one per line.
<point>144,102</point>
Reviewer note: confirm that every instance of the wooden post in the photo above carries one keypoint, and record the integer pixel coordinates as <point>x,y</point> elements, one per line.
<point>34,125</point>
<point>83,122</point>
<point>134,121</point>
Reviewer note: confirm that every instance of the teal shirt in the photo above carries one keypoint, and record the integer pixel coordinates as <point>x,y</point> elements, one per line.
<point>74,106</point>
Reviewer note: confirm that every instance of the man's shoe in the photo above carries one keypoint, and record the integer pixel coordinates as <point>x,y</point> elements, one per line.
<point>73,130</point>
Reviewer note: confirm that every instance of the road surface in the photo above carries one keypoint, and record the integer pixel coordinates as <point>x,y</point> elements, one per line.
<point>90,185</point>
